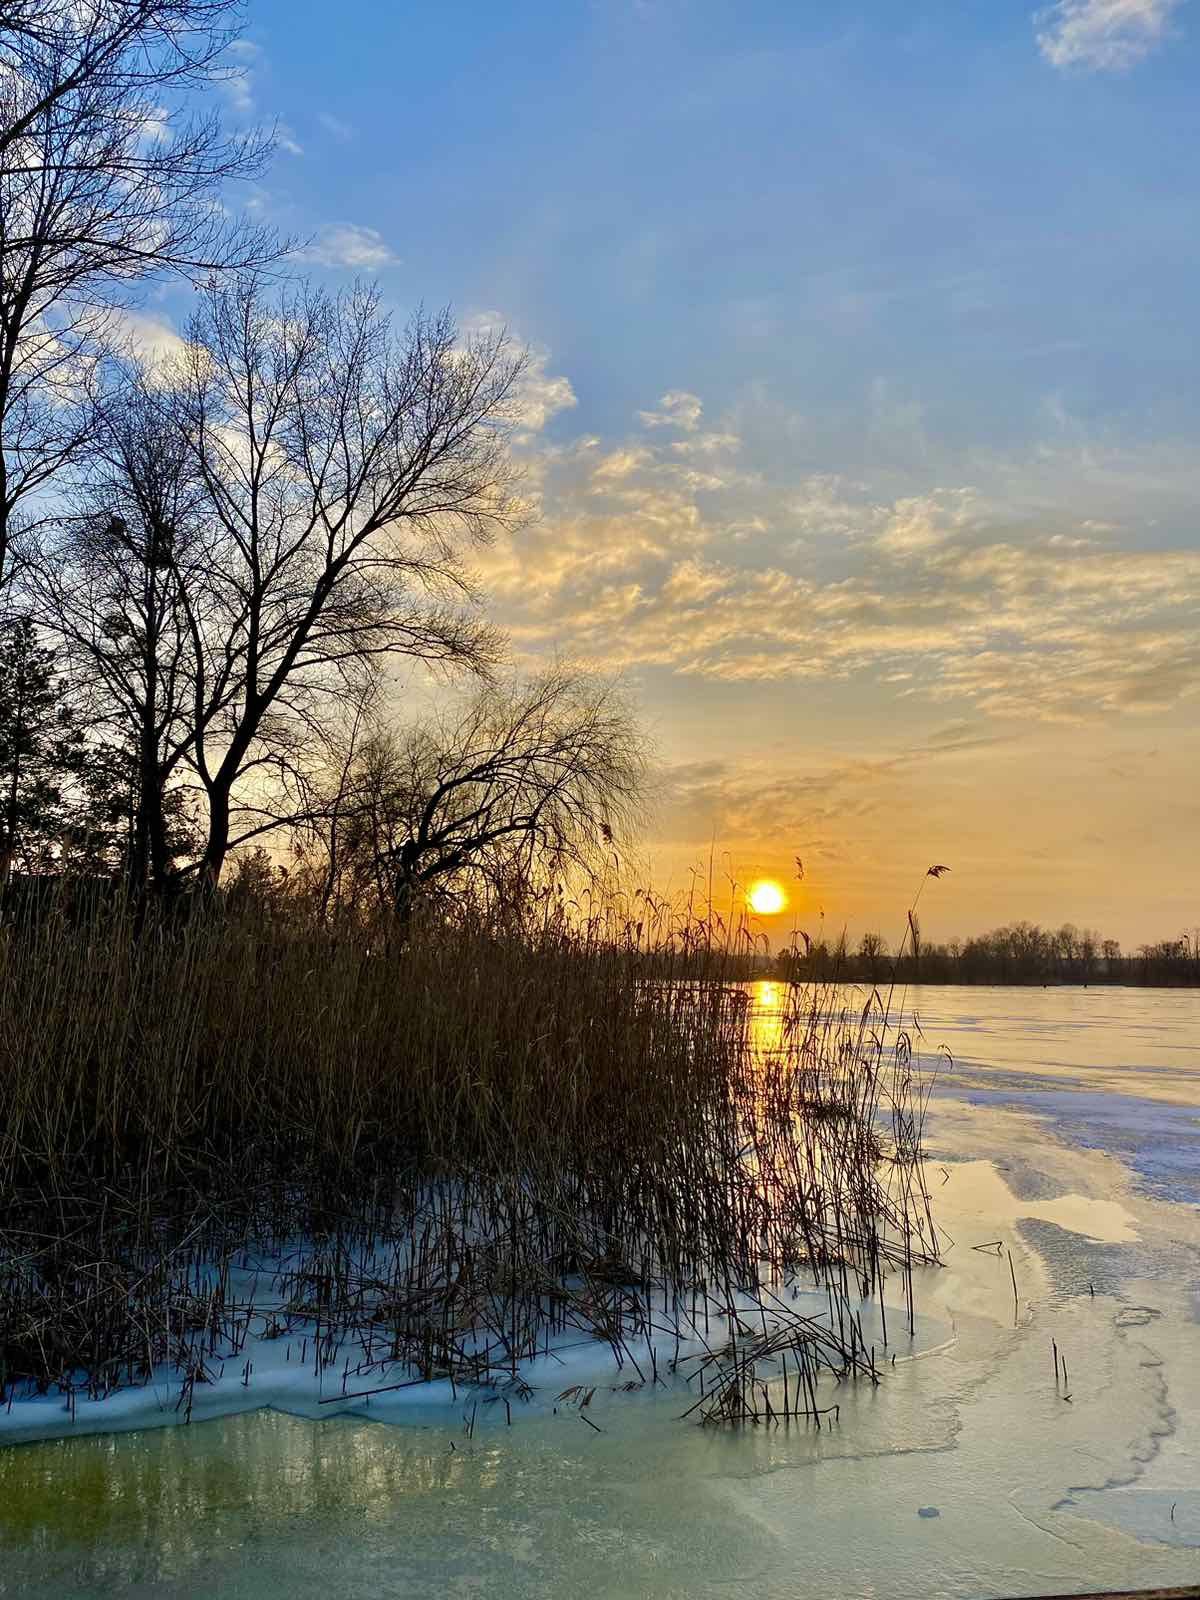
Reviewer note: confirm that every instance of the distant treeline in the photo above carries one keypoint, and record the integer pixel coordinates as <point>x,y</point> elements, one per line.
<point>1021,953</point>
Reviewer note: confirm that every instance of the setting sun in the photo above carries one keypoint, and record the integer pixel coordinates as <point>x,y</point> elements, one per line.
<point>766,897</point>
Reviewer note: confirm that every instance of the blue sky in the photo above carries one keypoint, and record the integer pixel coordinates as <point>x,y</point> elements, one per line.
<point>693,195</point>
<point>863,412</point>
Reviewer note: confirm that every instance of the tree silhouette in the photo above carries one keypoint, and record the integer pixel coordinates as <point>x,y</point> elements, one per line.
<point>40,751</point>
<point>107,177</point>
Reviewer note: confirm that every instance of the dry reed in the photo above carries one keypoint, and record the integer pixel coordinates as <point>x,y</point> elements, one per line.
<point>457,1151</point>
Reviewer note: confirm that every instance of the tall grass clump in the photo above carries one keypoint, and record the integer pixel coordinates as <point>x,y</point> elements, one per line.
<point>455,1145</point>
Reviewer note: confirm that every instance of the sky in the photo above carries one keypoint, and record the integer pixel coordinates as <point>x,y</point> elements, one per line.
<point>861,419</point>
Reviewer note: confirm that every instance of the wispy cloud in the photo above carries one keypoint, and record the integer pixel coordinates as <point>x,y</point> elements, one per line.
<point>346,244</point>
<point>1103,35</point>
<point>745,802</point>
<point>236,79</point>
<point>151,340</point>
<point>921,523</point>
<point>339,130</point>
<point>949,596</point>
<point>542,394</point>
<point>676,409</point>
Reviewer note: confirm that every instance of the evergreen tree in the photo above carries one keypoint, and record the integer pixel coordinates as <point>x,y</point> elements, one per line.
<point>41,751</point>
<point>100,836</point>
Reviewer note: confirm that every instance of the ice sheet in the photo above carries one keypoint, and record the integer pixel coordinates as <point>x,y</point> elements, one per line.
<point>1039,1484</point>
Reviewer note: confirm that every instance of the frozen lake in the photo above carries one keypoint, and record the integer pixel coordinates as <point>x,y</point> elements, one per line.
<point>1067,1128</point>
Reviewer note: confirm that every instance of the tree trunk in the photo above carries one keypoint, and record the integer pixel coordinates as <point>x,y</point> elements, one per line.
<point>149,869</point>
<point>147,827</point>
<point>404,884</point>
<point>216,846</point>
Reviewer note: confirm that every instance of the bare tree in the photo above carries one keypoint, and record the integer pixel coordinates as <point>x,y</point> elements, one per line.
<point>344,470</point>
<point>113,586</point>
<point>522,784</point>
<point>53,51</point>
<point>336,803</point>
<point>105,177</point>
<point>872,948</point>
